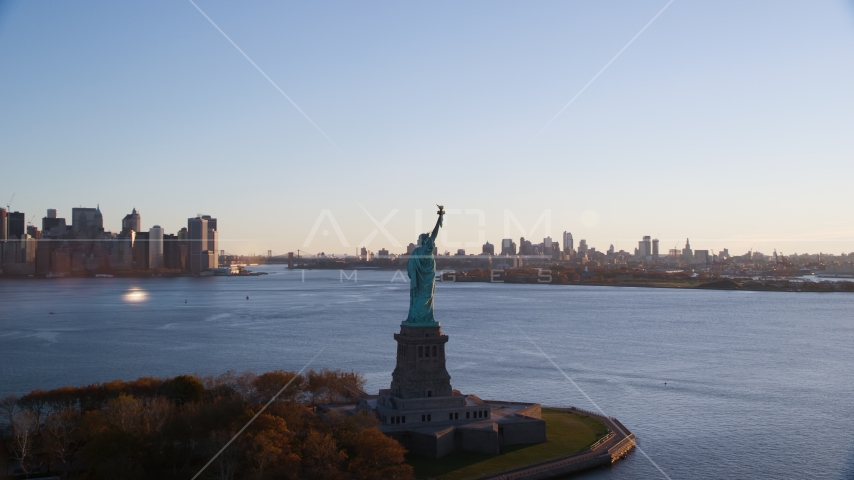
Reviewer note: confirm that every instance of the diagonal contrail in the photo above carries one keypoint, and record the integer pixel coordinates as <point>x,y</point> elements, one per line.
<point>266,76</point>
<point>602,70</point>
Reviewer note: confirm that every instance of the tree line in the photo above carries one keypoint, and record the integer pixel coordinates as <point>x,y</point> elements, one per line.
<point>169,428</point>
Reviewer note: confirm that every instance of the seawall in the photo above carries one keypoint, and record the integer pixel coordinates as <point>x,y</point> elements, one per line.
<point>606,451</point>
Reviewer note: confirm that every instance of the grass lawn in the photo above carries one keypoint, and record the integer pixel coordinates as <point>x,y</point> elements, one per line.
<point>567,433</point>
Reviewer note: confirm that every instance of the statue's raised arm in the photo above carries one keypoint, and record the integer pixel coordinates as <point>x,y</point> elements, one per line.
<point>441,213</point>
<point>422,276</point>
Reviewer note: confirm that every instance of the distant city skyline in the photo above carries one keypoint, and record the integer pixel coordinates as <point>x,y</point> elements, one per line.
<point>726,122</point>
<point>326,230</point>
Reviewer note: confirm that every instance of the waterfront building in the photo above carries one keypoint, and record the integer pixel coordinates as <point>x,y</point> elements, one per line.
<point>687,253</point>
<point>3,225</point>
<point>198,241</point>
<point>29,245</point>
<point>87,222</point>
<point>582,247</point>
<point>44,250</point>
<point>171,252</point>
<point>655,249</point>
<point>132,221</point>
<point>208,261</point>
<point>568,244</point>
<point>411,248</point>
<point>140,251</point>
<point>16,225</point>
<point>525,247</point>
<point>19,255</point>
<point>382,253</point>
<point>213,235</point>
<point>122,253</point>
<point>701,256</point>
<point>644,248</point>
<point>488,249</point>
<point>184,249</point>
<point>547,246</point>
<point>155,247</point>
<point>203,240</point>
<point>52,226</point>
<point>508,247</point>
<point>60,261</point>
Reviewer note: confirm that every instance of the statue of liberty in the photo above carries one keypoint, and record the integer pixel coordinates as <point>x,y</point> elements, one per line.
<point>422,277</point>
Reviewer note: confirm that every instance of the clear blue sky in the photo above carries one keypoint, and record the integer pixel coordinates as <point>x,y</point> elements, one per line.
<point>729,122</point>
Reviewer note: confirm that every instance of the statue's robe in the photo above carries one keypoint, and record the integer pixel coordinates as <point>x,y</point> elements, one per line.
<point>422,283</point>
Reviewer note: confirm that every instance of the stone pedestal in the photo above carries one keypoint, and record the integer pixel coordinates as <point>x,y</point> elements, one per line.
<point>420,371</point>
<point>431,419</point>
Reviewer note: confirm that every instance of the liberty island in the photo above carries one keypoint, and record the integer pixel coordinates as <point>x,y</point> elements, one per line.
<point>432,420</point>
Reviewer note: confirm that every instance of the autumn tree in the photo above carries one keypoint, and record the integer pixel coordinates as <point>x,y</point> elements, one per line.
<point>23,439</point>
<point>266,385</point>
<point>8,407</point>
<point>62,436</point>
<point>35,402</point>
<point>184,389</point>
<point>321,457</point>
<point>268,449</point>
<point>379,457</point>
<point>333,386</point>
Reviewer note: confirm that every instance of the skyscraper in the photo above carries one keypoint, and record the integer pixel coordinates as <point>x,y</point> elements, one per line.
<point>51,225</point>
<point>3,225</point>
<point>16,226</point>
<point>3,234</point>
<point>655,249</point>
<point>645,247</point>
<point>525,247</point>
<point>155,247</point>
<point>171,253</point>
<point>508,247</point>
<point>131,221</point>
<point>87,221</point>
<point>140,251</point>
<point>198,240</point>
<point>488,248</point>
<point>568,244</point>
<point>204,243</point>
<point>687,253</point>
<point>213,240</point>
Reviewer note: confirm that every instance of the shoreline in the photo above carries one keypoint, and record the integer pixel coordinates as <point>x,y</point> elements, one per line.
<point>781,284</point>
<point>604,452</point>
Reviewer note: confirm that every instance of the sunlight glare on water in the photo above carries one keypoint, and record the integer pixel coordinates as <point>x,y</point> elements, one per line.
<point>135,295</point>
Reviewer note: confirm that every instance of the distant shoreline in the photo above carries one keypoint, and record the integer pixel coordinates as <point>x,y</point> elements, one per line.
<point>770,284</point>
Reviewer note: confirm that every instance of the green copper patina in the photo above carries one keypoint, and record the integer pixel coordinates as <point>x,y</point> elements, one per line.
<point>422,279</point>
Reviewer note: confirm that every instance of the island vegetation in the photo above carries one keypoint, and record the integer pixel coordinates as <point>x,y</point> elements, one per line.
<point>628,277</point>
<point>170,428</point>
